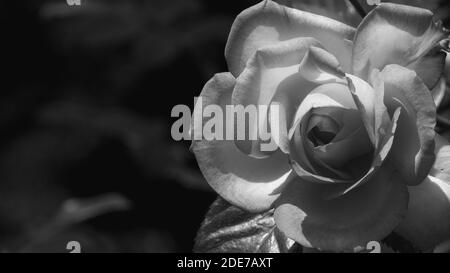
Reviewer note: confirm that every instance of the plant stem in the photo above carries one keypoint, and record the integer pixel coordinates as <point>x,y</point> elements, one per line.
<point>358,8</point>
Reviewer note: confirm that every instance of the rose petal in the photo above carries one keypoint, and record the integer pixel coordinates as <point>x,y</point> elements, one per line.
<point>258,83</point>
<point>301,163</point>
<point>305,163</point>
<point>369,213</point>
<point>380,154</point>
<point>268,22</point>
<point>379,126</point>
<point>289,95</point>
<point>370,103</point>
<point>399,34</point>
<point>373,113</point>
<point>326,95</point>
<point>438,92</point>
<point>427,222</point>
<point>430,68</point>
<point>338,154</point>
<point>441,166</point>
<point>251,184</point>
<point>320,66</point>
<point>317,67</point>
<point>328,159</point>
<point>413,148</point>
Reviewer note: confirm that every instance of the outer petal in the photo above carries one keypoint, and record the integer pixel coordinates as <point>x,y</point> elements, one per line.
<point>267,23</point>
<point>249,183</point>
<point>413,148</point>
<point>441,166</point>
<point>427,222</point>
<point>399,34</point>
<point>368,213</point>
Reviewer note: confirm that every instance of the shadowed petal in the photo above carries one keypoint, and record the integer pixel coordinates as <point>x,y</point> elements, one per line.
<point>380,154</point>
<point>427,222</point>
<point>399,34</point>
<point>441,166</point>
<point>413,148</point>
<point>339,153</point>
<point>369,213</point>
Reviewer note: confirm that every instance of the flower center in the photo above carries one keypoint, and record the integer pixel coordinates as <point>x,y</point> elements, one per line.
<point>323,130</point>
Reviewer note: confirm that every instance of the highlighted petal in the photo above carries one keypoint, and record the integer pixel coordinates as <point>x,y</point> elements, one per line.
<point>413,148</point>
<point>320,66</point>
<point>268,23</point>
<point>369,213</point>
<point>399,34</point>
<point>249,183</point>
<point>371,106</point>
<point>258,83</point>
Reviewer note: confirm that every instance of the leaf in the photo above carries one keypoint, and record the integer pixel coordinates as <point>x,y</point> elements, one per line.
<point>229,229</point>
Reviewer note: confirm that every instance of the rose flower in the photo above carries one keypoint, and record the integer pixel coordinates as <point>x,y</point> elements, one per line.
<point>357,156</point>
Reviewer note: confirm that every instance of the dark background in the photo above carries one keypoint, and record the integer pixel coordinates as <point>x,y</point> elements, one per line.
<point>85,102</point>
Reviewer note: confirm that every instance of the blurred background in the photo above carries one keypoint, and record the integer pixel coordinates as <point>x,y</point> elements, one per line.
<point>86,95</point>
